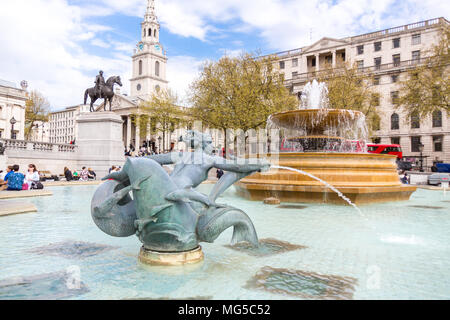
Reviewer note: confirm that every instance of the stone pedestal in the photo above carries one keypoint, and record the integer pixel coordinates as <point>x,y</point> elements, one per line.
<point>99,142</point>
<point>170,258</point>
<point>3,162</point>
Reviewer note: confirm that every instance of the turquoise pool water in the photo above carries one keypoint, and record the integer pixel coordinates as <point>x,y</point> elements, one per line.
<point>396,251</point>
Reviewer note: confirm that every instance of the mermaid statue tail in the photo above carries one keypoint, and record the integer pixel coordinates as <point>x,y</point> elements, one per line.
<point>215,221</point>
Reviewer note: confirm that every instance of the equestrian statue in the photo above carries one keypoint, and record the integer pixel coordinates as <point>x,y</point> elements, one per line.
<point>102,90</point>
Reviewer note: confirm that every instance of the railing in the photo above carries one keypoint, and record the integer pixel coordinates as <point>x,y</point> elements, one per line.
<point>11,144</point>
<point>393,66</point>
<point>391,31</point>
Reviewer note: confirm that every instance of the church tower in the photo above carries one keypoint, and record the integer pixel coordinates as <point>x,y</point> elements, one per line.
<point>149,59</point>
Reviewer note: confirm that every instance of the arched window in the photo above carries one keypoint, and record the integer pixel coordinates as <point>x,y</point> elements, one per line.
<point>157,68</point>
<point>140,67</point>
<point>395,125</point>
<point>437,119</point>
<point>415,120</point>
<point>150,32</point>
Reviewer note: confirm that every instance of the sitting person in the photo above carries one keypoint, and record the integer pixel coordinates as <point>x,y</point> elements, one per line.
<point>15,180</point>
<point>32,177</point>
<point>92,174</point>
<point>84,174</point>
<point>68,174</point>
<point>4,182</point>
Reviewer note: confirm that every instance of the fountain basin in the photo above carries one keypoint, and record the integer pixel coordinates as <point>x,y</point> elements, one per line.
<point>363,178</point>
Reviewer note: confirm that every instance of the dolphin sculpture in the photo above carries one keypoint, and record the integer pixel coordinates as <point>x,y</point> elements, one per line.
<point>160,214</point>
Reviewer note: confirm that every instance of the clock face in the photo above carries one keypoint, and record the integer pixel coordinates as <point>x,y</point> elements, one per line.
<point>157,47</point>
<point>141,46</point>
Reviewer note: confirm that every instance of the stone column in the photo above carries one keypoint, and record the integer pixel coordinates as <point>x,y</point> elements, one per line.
<point>137,134</point>
<point>148,137</point>
<point>99,143</point>
<point>317,62</point>
<point>128,132</point>
<point>334,59</point>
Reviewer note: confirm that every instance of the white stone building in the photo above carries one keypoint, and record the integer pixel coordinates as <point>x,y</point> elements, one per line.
<point>386,55</point>
<point>12,106</point>
<point>62,125</point>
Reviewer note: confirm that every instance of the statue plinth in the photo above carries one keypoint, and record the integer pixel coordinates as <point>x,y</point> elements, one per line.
<point>100,143</point>
<point>3,161</point>
<point>155,258</point>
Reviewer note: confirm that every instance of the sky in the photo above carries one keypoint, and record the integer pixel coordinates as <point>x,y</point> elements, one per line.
<point>59,46</point>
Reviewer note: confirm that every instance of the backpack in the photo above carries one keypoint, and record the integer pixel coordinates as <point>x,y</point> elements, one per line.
<point>37,185</point>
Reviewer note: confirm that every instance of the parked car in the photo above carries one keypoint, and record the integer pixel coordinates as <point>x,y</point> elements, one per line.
<point>437,179</point>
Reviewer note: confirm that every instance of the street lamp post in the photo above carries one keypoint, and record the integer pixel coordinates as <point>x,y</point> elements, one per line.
<point>13,121</point>
<point>421,146</point>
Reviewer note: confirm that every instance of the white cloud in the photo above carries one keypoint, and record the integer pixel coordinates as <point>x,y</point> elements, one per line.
<point>41,43</point>
<point>181,71</point>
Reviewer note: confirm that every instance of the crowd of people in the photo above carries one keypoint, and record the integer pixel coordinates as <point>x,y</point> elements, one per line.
<point>85,174</point>
<point>14,180</point>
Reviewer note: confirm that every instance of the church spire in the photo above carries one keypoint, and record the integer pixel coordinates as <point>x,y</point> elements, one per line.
<point>150,15</point>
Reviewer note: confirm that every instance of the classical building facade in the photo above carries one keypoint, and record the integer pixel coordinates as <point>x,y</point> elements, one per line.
<point>12,107</point>
<point>62,125</point>
<point>386,55</point>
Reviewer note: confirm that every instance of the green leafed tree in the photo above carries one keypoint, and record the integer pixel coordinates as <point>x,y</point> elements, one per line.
<point>426,88</point>
<point>160,114</point>
<point>37,109</point>
<point>239,93</point>
<point>350,88</point>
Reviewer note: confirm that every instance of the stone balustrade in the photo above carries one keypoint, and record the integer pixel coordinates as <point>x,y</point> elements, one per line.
<point>10,144</point>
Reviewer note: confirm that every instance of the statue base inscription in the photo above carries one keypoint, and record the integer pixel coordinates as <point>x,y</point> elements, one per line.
<point>170,258</point>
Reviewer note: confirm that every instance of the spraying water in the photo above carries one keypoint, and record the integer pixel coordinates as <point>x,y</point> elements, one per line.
<point>329,186</point>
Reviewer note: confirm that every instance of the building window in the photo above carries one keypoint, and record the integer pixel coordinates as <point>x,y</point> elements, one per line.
<point>396,43</point>
<point>1,134</point>
<point>281,64</point>
<point>294,74</point>
<point>437,119</point>
<point>157,68</point>
<point>313,62</point>
<point>395,121</point>
<point>396,60</point>
<point>376,140</point>
<point>416,56</point>
<point>139,87</point>
<point>360,64</point>
<point>415,120</point>
<point>395,140</point>
<point>415,39</point>
<point>376,81</point>
<point>375,99</point>
<point>377,46</point>
<point>437,143</point>
<point>150,32</point>
<point>294,62</point>
<point>394,97</point>
<point>415,143</point>
<point>140,67</point>
<point>394,78</point>
<point>377,62</point>
<point>360,49</point>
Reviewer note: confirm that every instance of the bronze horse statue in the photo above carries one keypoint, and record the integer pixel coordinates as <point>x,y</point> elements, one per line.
<point>107,93</point>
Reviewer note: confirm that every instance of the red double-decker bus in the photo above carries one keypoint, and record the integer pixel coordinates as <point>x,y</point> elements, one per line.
<point>394,149</point>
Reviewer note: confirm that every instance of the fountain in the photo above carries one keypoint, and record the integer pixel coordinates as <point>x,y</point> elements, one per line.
<point>168,216</point>
<point>327,145</point>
